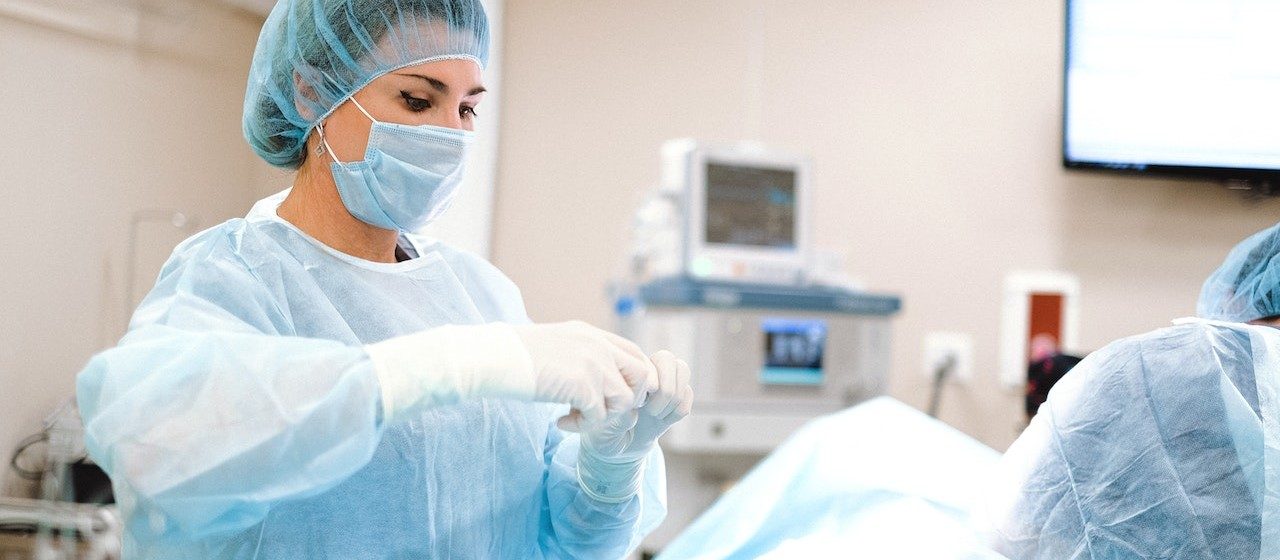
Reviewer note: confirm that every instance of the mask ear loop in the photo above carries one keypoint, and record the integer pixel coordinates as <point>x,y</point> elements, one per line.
<point>361,108</point>
<point>324,144</point>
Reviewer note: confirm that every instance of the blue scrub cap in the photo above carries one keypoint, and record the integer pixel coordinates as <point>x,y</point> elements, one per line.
<point>1247,286</point>
<point>314,54</point>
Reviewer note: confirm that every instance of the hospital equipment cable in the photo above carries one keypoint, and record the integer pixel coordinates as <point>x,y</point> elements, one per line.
<point>940,375</point>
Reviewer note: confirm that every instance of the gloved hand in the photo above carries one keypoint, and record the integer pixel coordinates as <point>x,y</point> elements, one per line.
<point>595,372</point>
<point>611,456</point>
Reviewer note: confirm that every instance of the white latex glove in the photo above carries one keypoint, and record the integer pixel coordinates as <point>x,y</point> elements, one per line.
<point>591,370</point>
<point>611,457</point>
<point>598,373</point>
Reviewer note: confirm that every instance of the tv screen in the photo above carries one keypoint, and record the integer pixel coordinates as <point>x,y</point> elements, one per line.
<point>1188,87</point>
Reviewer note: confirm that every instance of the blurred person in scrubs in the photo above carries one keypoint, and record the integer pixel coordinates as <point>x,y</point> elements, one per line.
<point>1161,445</point>
<point>1047,366</point>
<point>316,380</point>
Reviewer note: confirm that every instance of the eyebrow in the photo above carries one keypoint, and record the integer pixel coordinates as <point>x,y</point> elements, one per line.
<point>441,86</point>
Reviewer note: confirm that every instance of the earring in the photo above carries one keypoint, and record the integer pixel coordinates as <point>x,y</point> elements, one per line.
<point>320,144</point>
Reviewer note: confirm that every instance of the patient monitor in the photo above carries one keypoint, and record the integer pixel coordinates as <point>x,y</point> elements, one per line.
<point>718,275</point>
<point>743,211</point>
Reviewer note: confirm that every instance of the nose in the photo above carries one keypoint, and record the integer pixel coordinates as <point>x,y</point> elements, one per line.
<point>454,121</point>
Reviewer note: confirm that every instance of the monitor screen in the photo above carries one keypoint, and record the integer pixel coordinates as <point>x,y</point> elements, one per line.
<point>753,206</point>
<point>793,350</point>
<point>1187,86</point>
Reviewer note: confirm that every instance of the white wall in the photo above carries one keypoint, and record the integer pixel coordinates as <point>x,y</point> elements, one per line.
<point>95,130</point>
<point>934,130</point>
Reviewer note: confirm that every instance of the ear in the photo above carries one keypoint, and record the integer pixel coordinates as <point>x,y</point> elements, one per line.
<point>305,101</point>
<point>302,93</point>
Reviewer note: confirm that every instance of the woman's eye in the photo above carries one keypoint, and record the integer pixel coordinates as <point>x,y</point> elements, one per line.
<point>415,104</point>
<point>468,112</point>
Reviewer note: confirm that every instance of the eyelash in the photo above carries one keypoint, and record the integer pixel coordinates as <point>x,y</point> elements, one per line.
<point>415,104</point>
<point>418,105</point>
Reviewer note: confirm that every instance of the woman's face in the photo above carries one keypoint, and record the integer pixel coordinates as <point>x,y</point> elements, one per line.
<point>441,93</point>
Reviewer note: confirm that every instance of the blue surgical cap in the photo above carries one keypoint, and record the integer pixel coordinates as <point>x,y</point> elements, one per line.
<point>1247,286</point>
<point>314,54</point>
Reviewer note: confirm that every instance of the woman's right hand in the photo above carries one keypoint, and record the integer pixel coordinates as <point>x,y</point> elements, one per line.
<point>594,371</point>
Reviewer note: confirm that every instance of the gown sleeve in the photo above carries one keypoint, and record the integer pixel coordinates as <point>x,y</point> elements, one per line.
<point>578,526</point>
<point>207,411</point>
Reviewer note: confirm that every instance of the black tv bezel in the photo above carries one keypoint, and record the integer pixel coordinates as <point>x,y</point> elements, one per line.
<point>1242,174</point>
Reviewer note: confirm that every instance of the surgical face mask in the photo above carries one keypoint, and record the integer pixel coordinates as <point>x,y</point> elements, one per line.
<point>409,175</point>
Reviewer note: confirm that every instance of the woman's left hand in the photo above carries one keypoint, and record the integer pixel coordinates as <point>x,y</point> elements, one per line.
<point>630,436</point>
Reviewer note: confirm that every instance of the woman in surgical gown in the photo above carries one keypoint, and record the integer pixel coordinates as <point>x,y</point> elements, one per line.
<point>1162,445</point>
<point>316,380</point>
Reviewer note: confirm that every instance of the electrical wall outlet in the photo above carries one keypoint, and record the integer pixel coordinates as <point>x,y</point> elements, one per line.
<point>939,345</point>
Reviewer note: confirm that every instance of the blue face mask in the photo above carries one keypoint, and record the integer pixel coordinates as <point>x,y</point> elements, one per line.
<point>409,175</point>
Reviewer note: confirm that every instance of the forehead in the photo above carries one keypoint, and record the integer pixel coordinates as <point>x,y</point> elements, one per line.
<point>451,77</point>
<point>450,70</point>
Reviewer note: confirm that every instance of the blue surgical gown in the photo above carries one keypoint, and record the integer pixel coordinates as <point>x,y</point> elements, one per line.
<point>240,416</point>
<point>1162,445</point>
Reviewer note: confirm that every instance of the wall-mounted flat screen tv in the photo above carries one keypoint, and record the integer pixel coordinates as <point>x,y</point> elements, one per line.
<point>1181,87</point>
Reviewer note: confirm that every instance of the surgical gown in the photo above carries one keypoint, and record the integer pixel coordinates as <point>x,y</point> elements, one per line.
<point>1163,445</point>
<point>240,416</point>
